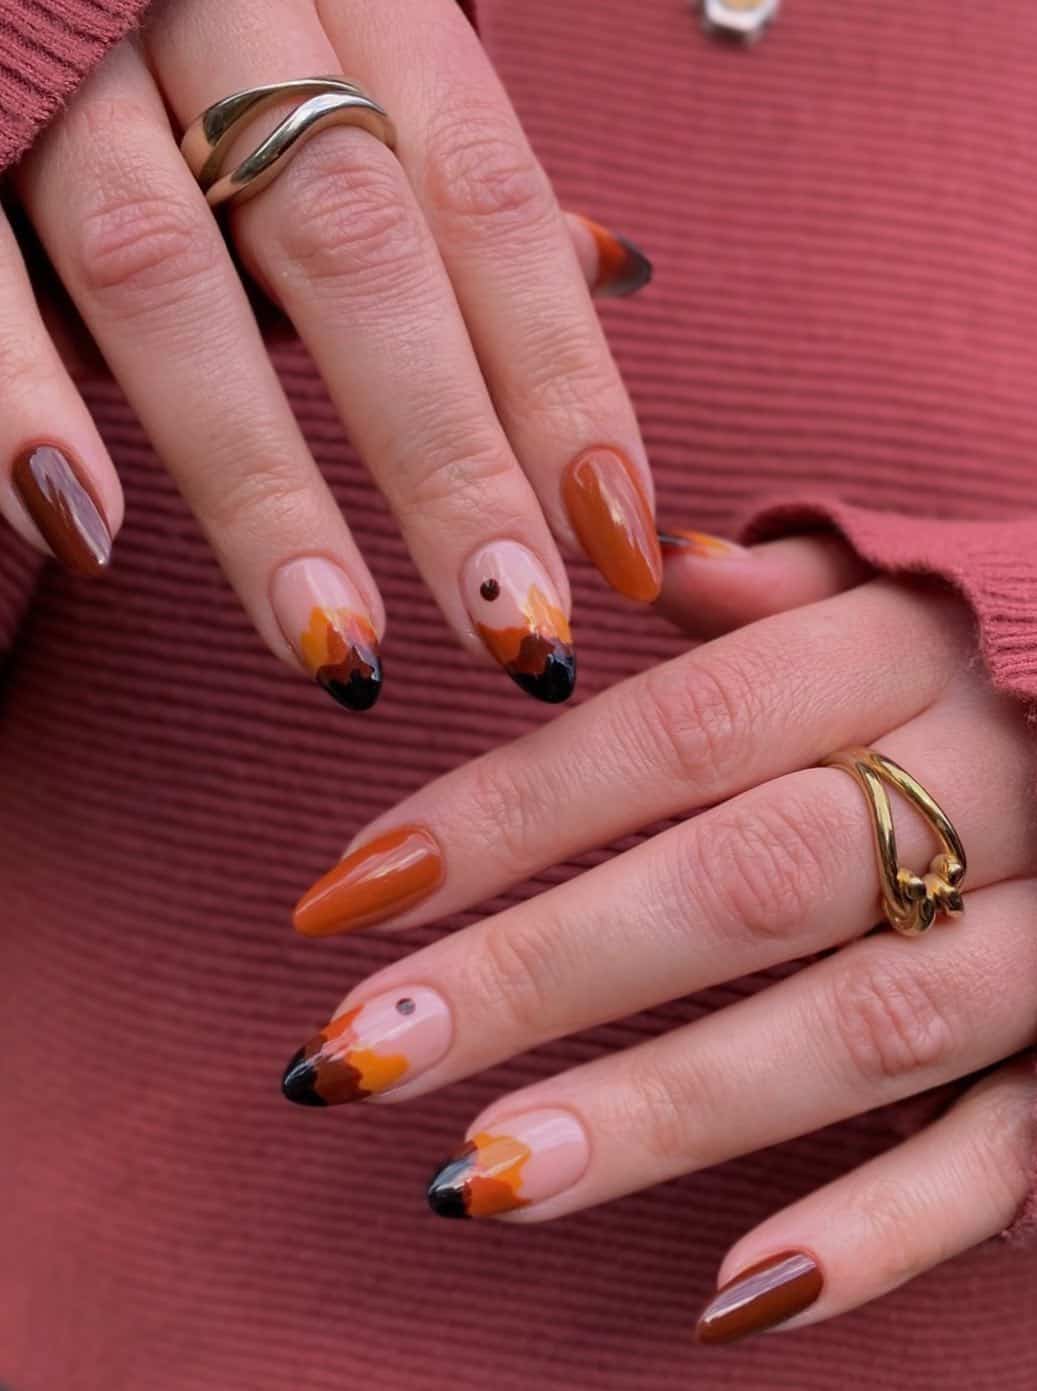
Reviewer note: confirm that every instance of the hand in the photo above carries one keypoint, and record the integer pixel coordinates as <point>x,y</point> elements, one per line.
<point>777,865</point>
<point>442,294</point>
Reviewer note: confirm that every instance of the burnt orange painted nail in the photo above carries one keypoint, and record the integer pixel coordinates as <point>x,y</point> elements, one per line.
<point>623,268</point>
<point>387,875</point>
<point>761,1296</point>
<point>610,514</point>
<point>60,501</point>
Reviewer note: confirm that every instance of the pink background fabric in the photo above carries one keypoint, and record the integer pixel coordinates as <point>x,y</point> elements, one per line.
<point>843,328</point>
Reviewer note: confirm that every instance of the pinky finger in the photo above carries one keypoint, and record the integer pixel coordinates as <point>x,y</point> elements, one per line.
<point>712,586</point>
<point>58,487</point>
<point>956,1183</point>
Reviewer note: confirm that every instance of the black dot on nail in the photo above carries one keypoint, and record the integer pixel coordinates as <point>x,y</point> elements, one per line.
<point>489,589</point>
<point>405,1006</point>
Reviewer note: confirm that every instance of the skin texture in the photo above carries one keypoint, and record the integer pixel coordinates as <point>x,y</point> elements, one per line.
<point>776,867</point>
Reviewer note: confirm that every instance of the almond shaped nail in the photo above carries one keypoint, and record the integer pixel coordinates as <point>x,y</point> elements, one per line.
<point>760,1297</point>
<point>519,616</point>
<point>609,511</point>
<point>392,872</point>
<point>57,495</point>
<point>623,268</point>
<point>524,1160</point>
<point>701,544</point>
<point>371,1049</point>
<point>324,618</point>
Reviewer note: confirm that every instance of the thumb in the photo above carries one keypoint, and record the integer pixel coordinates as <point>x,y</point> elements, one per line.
<point>711,585</point>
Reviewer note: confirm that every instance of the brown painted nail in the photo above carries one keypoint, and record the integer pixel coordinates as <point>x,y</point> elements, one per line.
<point>623,268</point>
<point>610,514</point>
<point>380,879</point>
<point>761,1296</point>
<point>60,501</point>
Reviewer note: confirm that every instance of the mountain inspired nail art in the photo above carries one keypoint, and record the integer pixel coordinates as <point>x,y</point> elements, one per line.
<point>760,1297</point>
<point>58,497</point>
<point>518,614</point>
<point>623,268</point>
<point>370,1049</point>
<point>392,872</point>
<point>529,1158</point>
<point>610,513</point>
<point>324,618</point>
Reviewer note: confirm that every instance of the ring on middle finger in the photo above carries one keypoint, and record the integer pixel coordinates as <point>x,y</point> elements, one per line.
<point>325,101</point>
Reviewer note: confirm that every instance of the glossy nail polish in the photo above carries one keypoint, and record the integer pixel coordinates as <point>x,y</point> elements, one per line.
<point>518,614</point>
<point>324,618</point>
<point>58,497</point>
<point>371,1049</point>
<point>609,511</point>
<point>393,872</point>
<point>700,544</point>
<point>623,268</point>
<point>761,1296</point>
<point>524,1160</point>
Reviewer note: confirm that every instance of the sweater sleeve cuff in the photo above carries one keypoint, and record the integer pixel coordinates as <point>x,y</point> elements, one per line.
<point>49,47</point>
<point>993,565</point>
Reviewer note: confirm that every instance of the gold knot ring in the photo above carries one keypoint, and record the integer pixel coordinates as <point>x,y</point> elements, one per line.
<point>910,901</point>
<point>320,102</point>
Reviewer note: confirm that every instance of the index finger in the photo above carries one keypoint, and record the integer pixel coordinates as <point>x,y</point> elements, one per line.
<point>762,701</point>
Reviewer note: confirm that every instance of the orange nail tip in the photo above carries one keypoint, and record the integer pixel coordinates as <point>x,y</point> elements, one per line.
<point>377,881</point>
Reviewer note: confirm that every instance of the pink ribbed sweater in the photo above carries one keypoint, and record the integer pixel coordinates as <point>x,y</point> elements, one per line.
<point>843,326</point>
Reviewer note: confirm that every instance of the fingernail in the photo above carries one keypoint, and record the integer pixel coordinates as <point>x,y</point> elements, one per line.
<point>763,1295</point>
<point>527,1159</point>
<point>388,874</point>
<point>702,544</point>
<point>623,268</point>
<point>58,497</point>
<point>323,617</point>
<point>610,514</point>
<point>519,616</point>
<point>371,1049</point>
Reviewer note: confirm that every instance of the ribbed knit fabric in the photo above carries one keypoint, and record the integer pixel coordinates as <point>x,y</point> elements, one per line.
<point>842,328</point>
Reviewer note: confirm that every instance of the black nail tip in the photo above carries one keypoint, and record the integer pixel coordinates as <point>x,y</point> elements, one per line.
<point>297,1084</point>
<point>444,1194</point>
<point>356,693</point>
<point>555,683</point>
<point>635,273</point>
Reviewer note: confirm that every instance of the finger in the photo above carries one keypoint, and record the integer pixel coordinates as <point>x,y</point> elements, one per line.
<point>712,585</point>
<point>356,268</point>
<point>769,698</point>
<point>780,873</point>
<point>885,1018</point>
<point>144,261</point>
<point>58,487</point>
<point>510,259</point>
<point>958,1182</point>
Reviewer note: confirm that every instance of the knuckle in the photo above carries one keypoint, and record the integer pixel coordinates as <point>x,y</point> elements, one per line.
<point>348,219</point>
<point>482,171</point>
<point>1003,1144</point>
<point>140,248</point>
<point>892,1214</point>
<point>698,713</point>
<point>513,806</point>
<point>255,503</point>
<point>456,482</point>
<point>666,1108</point>
<point>887,1012</point>
<point>763,868</point>
<point>515,976</point>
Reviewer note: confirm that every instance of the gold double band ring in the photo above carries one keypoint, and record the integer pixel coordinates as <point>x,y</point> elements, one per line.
<point>910,901</point>
<point>323,102</point>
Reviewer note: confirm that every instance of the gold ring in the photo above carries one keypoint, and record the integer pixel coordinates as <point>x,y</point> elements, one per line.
<point>326,101</point>
<point>910,901</point>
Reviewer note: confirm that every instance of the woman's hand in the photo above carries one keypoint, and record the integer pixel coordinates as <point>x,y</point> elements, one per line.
<point>442,294</point>
<point>777,866</point>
